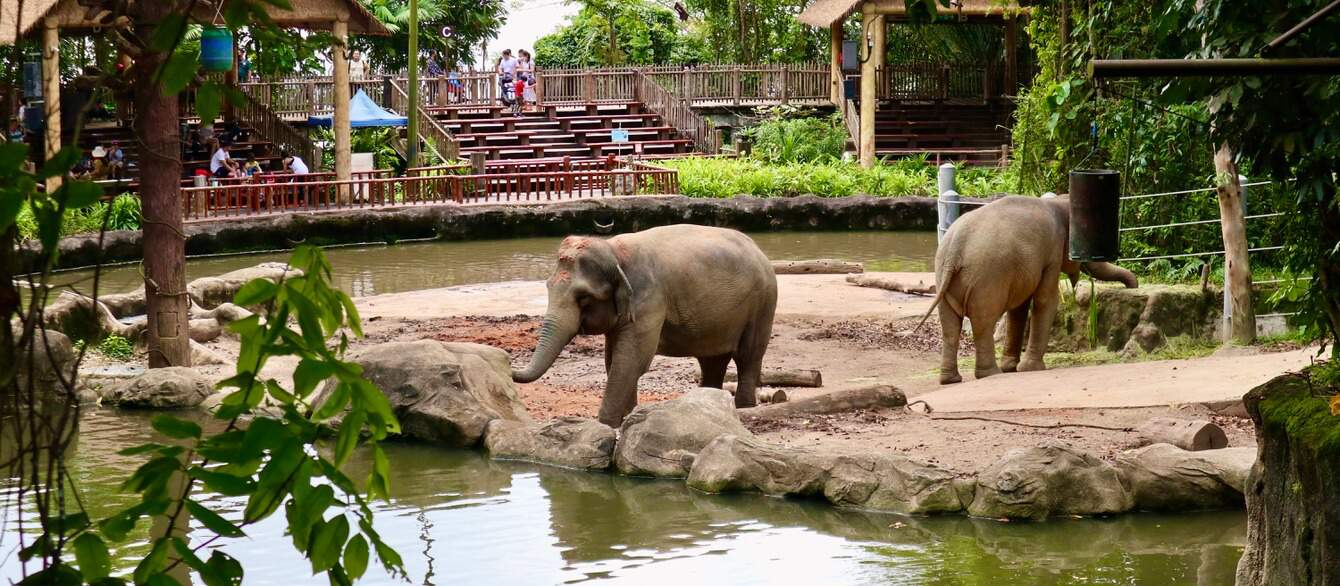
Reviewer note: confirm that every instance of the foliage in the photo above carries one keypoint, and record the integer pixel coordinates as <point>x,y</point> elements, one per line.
<point>721,177</point>
<point>789,135</point>
<point>759,31</point>
<point>469,22</point>
<point>122,213</point>
<point>116,348</point>
<point>644,33</point>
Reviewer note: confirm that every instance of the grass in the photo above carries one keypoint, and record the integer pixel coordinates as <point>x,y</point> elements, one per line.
<point>122,213</point>
<point>1177,348</point>
<point>725,177</point>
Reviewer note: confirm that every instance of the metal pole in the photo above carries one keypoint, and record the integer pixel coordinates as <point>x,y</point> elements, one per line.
<point>948,208</point>
<point>1111,68</point>
<point>412,92</point>
<point>1300,27</point>
<point>1228,299</point>
<point>945,178</point>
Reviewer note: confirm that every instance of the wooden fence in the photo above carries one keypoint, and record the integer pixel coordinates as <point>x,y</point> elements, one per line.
<point>933,80</point>
<point>434,135</point>
<point>677,113</point>
<point>745,85</point>
<point>430,185</point>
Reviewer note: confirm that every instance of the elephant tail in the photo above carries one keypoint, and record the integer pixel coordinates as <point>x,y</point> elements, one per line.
<point>940,289</point>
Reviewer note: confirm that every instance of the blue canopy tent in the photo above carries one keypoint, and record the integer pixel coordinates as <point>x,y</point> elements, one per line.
<point>363,113</point>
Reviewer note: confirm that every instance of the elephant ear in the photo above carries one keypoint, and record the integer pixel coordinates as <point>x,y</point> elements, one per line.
<point>623,294</point>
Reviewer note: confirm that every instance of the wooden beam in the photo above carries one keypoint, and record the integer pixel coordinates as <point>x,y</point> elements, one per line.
<point>835,64</point>
<point>340,63</point>
<point>881,55</point>
<point>51,92</point>
<point>868,97</point>
<point>1238,270</point>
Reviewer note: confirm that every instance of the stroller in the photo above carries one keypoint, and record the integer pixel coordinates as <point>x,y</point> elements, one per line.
<point>513,91</point>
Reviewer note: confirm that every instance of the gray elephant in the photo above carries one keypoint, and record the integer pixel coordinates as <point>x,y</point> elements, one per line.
<point>1006,258</point>
<point>677,290</point>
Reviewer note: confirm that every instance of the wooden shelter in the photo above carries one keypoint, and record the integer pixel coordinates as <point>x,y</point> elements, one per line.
<point>875,18</point>
<point>340,17</point>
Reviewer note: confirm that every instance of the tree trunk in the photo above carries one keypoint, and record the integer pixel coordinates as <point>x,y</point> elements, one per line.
<point>159,141</point>
<point>1189,434</point>
<point>891,284</point>
<point>819,266</point>
<point>786,378</point>
<point>1238,273</point>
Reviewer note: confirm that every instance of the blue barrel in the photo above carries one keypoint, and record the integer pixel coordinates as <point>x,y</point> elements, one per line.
<point>1095,214</point>
<point>216,49</point>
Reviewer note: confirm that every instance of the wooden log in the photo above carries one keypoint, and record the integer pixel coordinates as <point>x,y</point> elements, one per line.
<point>891,284</point>
<point>835,402</point>
<point>1189,434</point>
<point>818,266</point>
<point>786,378</point>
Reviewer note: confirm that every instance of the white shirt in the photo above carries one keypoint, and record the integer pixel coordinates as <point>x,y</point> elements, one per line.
<point>217,160</point>
<point>356,69</point>
<point>297,166</point>
<point>508,66</point>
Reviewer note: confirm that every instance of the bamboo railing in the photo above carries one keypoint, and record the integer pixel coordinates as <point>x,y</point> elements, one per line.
<point>271,126</point>
<point>677,113</point>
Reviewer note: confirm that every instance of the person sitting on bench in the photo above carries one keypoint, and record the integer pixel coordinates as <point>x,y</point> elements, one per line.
<point>293,163</point>
<point>222,165</point>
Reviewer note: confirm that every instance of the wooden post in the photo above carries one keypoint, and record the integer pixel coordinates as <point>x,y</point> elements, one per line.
<point>881,55</point>
<point>786,81</point>
<point>1238,270</point>
<point>158,133</point>
<point>1011,57</point>
<point>51,92</point>
<point>340,62</point>
<point>867,146</point>
<point>736,84</point>
<point>835,65</point>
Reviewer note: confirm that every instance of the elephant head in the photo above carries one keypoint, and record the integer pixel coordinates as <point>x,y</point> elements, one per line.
<point>589,293</point>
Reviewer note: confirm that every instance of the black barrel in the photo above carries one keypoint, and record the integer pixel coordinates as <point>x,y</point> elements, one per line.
<point>1095,214</point>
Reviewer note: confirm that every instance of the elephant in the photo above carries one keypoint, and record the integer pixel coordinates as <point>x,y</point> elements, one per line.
<point>1006,258</point>
<point>679,290</point>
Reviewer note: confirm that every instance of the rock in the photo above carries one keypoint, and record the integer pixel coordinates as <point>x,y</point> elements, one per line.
<point>661,439</point>
<point>1293,515</point>
<point>1169,311</point>
<point>174,387</point>
<point>440,391</point>
<point>54,357</point>
<point>203,356</point>
<point>227,313</point>
<point>1145,338</point>
<point>210,292</point>
<point>78,317</point>
<point>205,330</point>
<point>1164,477</point>
<point>125,304</point>
<point>885,482</point>
<point>572,442</point>
<point>1051,479</point>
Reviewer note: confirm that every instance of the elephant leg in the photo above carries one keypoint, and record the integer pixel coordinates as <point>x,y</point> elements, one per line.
<point>629,358</point>
<point>984,340</point>
<point>1045,302</point>
<point>1015,322</point>
<point>951,328</point>
<point>714,370</point>
<point>749,361</point>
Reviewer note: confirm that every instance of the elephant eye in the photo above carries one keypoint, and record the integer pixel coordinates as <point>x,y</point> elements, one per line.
<point>583,299</point>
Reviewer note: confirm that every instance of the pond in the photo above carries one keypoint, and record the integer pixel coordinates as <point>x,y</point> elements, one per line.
<point>458,518</point>
<point>377,269</point>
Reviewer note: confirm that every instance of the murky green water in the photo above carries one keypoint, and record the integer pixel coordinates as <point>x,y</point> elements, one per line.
<point>460,519</point>
<point>374,270</point>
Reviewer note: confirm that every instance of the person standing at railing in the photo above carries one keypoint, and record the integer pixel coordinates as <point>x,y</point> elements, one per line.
<point>525,69</point>
<point>357,67</point>
<point>506,73</point>
<point>293,163</point>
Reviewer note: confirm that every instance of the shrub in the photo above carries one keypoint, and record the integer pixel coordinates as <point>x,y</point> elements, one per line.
<point>116,347</point>
<point>798,140</point>
<point>722,177</point>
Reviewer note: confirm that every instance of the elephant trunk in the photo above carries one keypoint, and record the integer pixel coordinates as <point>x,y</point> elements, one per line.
<point>1109,272</point>
<point>556,332</point>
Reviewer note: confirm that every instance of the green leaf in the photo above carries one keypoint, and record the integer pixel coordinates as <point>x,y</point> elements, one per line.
<point>225,567</point>
<point>155,472</point>
<point>163,580</point>
<point>53,575</point>
<point>327,542</point>
<point>91,554</point>
<point>213,521</point>
<point>169,29</point>
<point>152,564</point>
<point>207,101</point>
<point>62,162</point>
<point>390,559</point>
<point>222,482</point>
<point>305,510</point>
<point>12,156</point>
<point>78,194</point>
<point>141,449</point>
<point>356,557</point>
<point>309,374</point>
<point>350,430</point>
<point>10,205</point>
<point>67,524</point>
<point>334,403</point>
<point>379,484</point>
<point>255,292</point>
<point>175,427</point>
<point>179,71</point>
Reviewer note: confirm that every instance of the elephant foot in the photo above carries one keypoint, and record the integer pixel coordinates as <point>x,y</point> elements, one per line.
<point>1031,364</point>
<point>983,373</point>
<point>950,377</point>
<point>1009,363</point>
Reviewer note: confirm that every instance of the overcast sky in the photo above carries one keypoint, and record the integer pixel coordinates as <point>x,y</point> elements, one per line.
<point>528,20</point>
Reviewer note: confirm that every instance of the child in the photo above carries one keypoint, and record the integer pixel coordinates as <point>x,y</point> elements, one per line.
<point>252,167</point>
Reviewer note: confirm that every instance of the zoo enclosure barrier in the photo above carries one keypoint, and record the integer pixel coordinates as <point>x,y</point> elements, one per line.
<point>522,181</point>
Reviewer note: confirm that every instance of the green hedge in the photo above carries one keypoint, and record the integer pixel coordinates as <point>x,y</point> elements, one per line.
<point>722,177</point>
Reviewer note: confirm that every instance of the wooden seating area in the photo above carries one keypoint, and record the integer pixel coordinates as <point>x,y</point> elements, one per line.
<point>570,130</point>
<point>944,132</point>
<point>250,145</point>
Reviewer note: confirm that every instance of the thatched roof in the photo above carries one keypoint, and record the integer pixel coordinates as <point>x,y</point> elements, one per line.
<point>823,13</point>
<point>305,14</point>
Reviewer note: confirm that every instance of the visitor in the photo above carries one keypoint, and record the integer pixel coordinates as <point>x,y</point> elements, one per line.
<point>221,165</point>
<point>526,72</point>
<point>455,88</point>
<point>99,170</point>
<point>506,72</point>
<point>434,70</point>
<point>244,69</point>
<point>252,168</point>
<point>293,163</point>
<point>116,160</point>
<point>357,67</point>
<point>15,131</point>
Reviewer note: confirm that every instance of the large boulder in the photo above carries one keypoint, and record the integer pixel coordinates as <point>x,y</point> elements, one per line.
<point>1047,480</point>
<point>53,358</point>
<point>572,442</point>
<point>443,392</point>
<point>662,439</point>
<point>1164,477</point>
<point>1134,320</point>
<point>210,292</point>
<point>173,387</point>
<point>885,482</point>
<point>1293,515</point>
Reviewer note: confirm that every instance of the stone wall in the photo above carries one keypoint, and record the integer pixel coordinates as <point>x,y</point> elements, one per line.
<point>1133,320</point>
<point>453,222</point>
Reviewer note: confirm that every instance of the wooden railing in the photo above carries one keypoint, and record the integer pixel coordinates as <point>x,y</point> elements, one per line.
<point>434,135</point>
<point>677,113</point>
<point>851,117</point>
<point>756,85</point>
<point>935,81</point>
<point>585,85</point>
<point>274,129</point>
<point>429,185</point>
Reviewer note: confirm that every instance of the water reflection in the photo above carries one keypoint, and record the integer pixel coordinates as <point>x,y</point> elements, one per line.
<point>374,270</point>
<point>458,518</point>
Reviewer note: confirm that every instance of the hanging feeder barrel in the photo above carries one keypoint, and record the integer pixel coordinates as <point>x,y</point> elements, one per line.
<point>216,49</point>
<point>1095,214</point>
